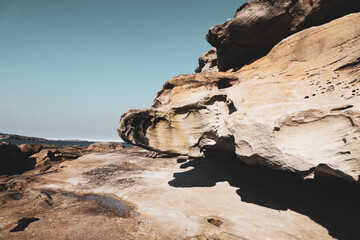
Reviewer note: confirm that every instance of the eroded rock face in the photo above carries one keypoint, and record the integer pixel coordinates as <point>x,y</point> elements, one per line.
<point>208,62</point>
<point>42,158</point>
<point>259,25</point>
<point>296,109</point>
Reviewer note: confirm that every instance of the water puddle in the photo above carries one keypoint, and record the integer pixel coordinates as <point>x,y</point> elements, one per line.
<point>110,202</point>
<point>15,196</point>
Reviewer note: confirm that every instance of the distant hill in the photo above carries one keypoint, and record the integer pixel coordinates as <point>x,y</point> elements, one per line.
<point>5,136</point>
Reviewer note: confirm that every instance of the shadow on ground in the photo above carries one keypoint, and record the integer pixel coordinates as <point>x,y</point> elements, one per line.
<point>332,203</point>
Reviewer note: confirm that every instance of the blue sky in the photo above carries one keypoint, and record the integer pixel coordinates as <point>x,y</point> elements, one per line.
<point>70,68</point>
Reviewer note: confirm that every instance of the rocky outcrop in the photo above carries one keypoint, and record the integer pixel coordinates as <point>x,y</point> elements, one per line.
<point>12,160</point>
<point>125,195</point>
<point>16,160</point>
<point>296,109</point>
<point>208,62</point>
<point>19,159</point>
<point>104,146</point>
<point>259,25</point>
<point>42,158</point>
<point>30,149</point>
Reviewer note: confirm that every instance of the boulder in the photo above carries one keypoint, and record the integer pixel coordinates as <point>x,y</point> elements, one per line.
<point>12,160</point>
<point>260,24</point>
<point>296,109</point>
<point>42,158</point>
<point>105,146</point>
<point>30,149</point>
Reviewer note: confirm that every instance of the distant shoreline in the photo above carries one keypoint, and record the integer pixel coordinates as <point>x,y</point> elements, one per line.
<point>48,142</point>
<point>18,140</point>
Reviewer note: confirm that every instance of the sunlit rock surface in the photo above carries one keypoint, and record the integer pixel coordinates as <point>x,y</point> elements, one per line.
<point>296,109</point>
<point>125,195</point>
<point>260,24</point>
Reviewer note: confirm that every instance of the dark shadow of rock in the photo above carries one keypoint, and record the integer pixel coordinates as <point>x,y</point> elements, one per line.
<point>332,203</point>
<point>23,223</point>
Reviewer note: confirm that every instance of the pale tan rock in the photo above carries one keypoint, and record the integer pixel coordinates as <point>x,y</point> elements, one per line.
<point>296,109</point>
<point>42,158</point>
<point>175,198</point>
<point>104,146</point>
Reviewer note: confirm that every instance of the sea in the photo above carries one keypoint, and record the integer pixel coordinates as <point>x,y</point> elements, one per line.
<point>56,142</point>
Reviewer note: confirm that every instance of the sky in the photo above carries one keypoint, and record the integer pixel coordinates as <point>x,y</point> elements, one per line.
<point>70,68</point>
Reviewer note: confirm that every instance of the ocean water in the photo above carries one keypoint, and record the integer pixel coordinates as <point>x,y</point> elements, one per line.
<point>56,142</point>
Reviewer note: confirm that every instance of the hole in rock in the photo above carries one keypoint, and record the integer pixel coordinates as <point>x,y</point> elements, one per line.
<point>342,108</point>
<point>224,83</point>
<point>181,160</point>
<point>215,221</point>
<point>168,86</point>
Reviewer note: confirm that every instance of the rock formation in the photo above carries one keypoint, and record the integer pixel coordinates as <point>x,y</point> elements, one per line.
<point>42,158</point>
<point>12,160</point>
<point>259,25</point>
<point>174,198</point>
<point>104,146</point>
<point>296,109</point>
<point>30,149</point>
<point>208,62</point>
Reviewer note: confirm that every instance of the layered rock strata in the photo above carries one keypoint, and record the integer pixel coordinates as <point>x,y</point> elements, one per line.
<point>259,25</point>
<point>296,109</point>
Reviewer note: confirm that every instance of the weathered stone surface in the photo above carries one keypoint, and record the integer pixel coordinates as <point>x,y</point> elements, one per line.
<point>259,25</point>
<point>208,62</point>
<point>296,109</point>
<point>42,158</point>
<point>176,198</point>
<point>30,149</point>
<point>105,146</point>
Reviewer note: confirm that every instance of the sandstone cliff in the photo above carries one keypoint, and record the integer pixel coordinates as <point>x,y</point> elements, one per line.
<point>260,24</point>
<point>296,109</point>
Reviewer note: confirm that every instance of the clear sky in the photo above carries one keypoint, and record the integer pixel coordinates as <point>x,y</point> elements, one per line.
<point>70,68</point>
